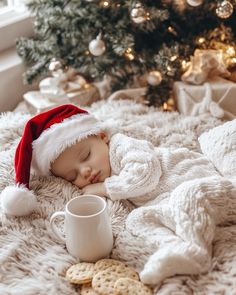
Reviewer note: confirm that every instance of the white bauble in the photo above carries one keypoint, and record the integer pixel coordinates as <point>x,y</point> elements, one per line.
<point>97,47</point>
<point>54,65</point>
<point>154,78</point>
<point>194,3</point>
<point>138,14</point>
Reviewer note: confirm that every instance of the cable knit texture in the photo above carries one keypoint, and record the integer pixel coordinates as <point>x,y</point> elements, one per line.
<point>177,189</point>
<point>135,169</point>
<point>219,145</point>
<point>141,172</point>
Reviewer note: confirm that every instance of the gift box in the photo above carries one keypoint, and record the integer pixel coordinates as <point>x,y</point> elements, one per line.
<point>216,96</point>
<point>38,102</point>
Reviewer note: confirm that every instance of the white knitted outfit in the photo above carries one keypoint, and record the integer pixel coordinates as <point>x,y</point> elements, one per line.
<point>181,195</point>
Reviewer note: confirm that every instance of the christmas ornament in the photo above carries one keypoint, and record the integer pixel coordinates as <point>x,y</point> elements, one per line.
<point>194,3</point>
<point>154,78</point>
<point>55,65</point>
<point>224,9</point>
<point>138,14</point>
<point>56,69</point>
<point>97,46</point>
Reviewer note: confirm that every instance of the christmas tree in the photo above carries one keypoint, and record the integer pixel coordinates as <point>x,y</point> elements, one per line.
<point>132,42</point>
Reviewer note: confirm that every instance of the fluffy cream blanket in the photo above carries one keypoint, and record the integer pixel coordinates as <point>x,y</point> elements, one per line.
<point>33,262</point>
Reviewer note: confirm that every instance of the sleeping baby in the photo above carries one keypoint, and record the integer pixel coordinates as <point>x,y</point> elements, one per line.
<point>177,190</point>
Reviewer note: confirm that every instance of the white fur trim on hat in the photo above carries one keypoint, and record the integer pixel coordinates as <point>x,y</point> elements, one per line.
<point>54,140</point>
<point>18,200</point>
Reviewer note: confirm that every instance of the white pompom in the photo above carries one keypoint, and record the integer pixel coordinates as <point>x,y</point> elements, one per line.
<point>18,201</point>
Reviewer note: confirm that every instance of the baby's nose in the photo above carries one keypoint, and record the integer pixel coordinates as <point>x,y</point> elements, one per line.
<point>85,171</point>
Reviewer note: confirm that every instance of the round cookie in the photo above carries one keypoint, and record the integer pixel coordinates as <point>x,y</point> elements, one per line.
<point>103,264</point>
<point>80,273</point>
<point>127,286</point>
<point>87,289</point>
<point>103,282</point>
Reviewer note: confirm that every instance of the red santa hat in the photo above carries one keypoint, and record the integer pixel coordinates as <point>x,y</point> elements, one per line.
<point>44,138</point>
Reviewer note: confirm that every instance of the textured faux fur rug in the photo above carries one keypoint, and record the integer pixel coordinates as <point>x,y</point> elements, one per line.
<point>33,262</point>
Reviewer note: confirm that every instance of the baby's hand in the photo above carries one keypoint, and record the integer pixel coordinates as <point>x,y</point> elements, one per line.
<point>95,189</point>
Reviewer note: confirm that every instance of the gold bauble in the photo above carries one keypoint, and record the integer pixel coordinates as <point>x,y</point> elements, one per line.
<point>224,9</point>
<point>154,78</point>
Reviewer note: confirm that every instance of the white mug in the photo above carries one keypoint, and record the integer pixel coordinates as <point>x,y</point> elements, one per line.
<point>88,232</point>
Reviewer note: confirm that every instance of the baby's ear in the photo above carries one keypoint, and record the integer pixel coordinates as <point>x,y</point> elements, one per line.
<point>104,136</point>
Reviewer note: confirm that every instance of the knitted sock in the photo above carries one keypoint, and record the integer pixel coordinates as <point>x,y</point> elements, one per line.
<point>197,206</point>
<point>175,258</point>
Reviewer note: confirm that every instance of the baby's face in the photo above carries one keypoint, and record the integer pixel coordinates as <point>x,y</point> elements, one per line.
<point>85,162</point>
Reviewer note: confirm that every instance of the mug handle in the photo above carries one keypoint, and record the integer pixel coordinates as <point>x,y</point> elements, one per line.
<point>54,228</point>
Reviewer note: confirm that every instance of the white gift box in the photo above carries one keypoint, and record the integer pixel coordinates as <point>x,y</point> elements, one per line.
<point>37,102</point>
<point>217,96</point>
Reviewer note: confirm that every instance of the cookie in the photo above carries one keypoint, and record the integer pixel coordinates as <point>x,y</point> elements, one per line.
<point>80,273</point>
<point>87,289</point>
<point>103,264</point>
<point>103,281</point>
<point>127,286</point>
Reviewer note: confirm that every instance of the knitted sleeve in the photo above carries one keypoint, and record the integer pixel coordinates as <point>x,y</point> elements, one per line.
<point>136,168</point>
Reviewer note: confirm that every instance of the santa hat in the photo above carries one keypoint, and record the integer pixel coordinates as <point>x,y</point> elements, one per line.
<point>44,138</point>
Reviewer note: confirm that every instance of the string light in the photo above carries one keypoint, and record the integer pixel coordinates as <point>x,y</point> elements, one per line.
<point>105,3</point>
<point>230,51</point>
<point>170,71</point>
<point>184,65</point>
<point>201,40</point>
<point>233,60</point>
<point>148,16</point>
<point>87,85</point>
<point>129,54</point>
<point>171,30</point>
<point>173,58</point>
<point>165,106</point>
